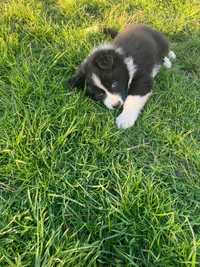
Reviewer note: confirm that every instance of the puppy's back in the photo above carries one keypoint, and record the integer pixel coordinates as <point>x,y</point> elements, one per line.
<point>140,40</point>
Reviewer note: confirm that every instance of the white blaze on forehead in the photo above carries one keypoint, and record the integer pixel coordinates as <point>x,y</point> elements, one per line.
<point>98,83</point>
<point>131,110</point>
<point>111,99</point>
<point>128,61</point>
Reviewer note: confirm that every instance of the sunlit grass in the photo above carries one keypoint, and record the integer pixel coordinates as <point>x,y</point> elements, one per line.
<point>75,190</point>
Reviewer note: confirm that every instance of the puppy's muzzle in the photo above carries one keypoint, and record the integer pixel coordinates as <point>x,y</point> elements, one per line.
<point>117,105</point>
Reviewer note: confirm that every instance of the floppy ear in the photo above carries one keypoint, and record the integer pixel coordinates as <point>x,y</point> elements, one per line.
<point>78,80</point>
<point>104,60</point>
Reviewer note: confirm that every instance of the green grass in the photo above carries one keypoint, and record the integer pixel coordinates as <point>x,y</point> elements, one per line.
<point>75,190</point>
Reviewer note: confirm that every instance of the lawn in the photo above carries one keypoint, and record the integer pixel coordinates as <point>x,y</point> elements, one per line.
<point>74,189</point>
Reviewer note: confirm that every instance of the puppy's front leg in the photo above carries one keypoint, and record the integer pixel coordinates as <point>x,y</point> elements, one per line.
<point>138,96</point>
<point>131,110</point>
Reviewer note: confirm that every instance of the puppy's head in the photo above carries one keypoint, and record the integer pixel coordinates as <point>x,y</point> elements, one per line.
<point>105,77</point>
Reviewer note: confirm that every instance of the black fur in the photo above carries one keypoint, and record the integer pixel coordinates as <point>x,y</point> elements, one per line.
<point>110,32</point>
<point>146,46</point>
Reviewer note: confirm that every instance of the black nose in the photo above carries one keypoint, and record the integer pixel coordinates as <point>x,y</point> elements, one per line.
<point>117,105</point>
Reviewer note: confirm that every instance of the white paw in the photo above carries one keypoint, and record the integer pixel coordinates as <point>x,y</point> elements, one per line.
<point>126,120</point>
<point>167,63</point>
<point>172,55</point>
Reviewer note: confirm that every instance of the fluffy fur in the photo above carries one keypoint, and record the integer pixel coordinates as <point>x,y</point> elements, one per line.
<point>122,72</point>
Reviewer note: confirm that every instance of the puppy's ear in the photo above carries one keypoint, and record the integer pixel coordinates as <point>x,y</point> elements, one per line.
<point>104,60</point>
<point>78,80</point>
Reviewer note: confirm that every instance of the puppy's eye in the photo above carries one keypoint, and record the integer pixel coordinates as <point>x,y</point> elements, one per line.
<point>114,84</point>
<point>100,95</point>
<point>97,94</point>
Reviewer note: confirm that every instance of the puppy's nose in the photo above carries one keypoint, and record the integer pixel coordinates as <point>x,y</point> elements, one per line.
<point>117,105</point>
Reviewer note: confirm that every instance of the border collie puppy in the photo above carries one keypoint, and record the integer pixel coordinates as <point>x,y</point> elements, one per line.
<point>121,73</point>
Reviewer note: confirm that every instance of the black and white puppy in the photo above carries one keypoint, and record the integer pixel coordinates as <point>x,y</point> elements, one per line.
<point>121,73</point>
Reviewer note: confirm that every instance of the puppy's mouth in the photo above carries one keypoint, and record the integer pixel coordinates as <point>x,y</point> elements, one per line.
<point>115,103</point>
<point>118,104</point>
